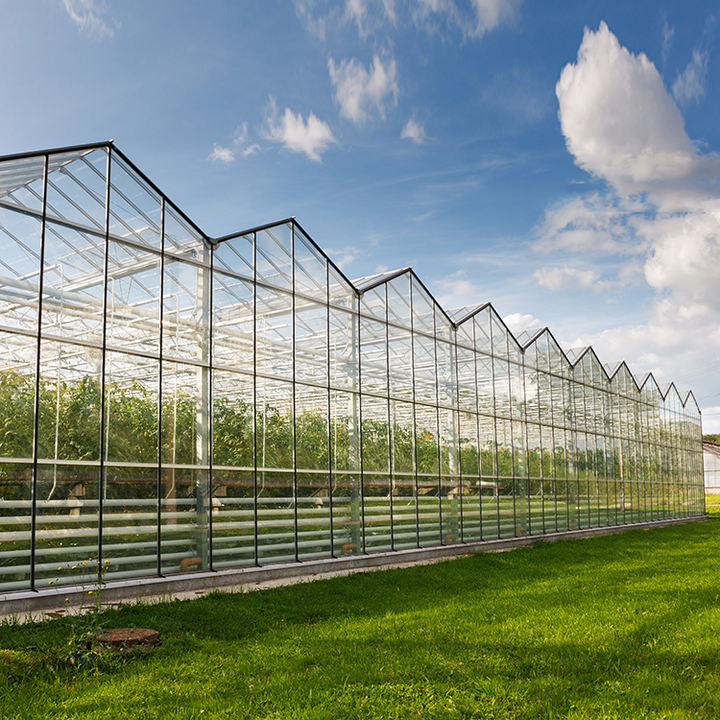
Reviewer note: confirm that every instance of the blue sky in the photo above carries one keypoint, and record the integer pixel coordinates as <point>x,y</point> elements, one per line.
<point>558,159</point>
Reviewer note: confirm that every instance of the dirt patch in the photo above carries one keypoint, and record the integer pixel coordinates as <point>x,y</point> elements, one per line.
<point>123,639</point>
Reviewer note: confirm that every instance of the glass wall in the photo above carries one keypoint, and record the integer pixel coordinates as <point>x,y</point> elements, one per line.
<point>172,403</point>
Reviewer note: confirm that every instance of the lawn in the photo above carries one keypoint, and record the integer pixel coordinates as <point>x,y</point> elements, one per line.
<point>623,626</point>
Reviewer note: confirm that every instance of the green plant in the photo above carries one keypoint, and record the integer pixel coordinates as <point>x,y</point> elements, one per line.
<point>84,648</point>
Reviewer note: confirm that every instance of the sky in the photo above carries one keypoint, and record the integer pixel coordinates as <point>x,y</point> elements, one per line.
<point>559,159</point>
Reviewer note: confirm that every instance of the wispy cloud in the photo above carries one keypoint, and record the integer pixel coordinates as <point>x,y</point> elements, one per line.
<point>474,21</point>
<point>240,146</point>
<point>689,85</point>
<point>455,290</point>
<point>414,131</point>
<point>593,223</point>
<point>311,137</point>
<point>222,154</point>
<point>369,15</point>
<point>364,93</point>
<point>667,38</point>
<point>344,256</point>
<point>569,278</point>
<point>323,16</point>
<point>92,18</point>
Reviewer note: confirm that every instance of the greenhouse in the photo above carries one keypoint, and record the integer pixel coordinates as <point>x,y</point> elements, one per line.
<point>174,403</point>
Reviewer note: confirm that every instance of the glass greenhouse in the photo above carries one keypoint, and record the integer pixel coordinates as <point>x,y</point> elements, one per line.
<point>171,402</point>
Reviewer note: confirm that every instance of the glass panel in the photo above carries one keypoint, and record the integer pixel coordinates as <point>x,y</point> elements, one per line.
<point>311,345</point>
<point>134,206</point>
<point>274,333</point>
<point>186,311</point>
<point>343,350</point>
<point>19,268</point>
<point>73,282</point>
<point>276,481</point>
<point>130,496</point>
<point>273,258</point>
<point>232,332</point>
<point>185,506</point>
<point>346,480</point>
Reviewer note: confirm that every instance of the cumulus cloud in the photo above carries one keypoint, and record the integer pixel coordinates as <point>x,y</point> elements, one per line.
<point>517,322</point>
<point>311,137</point>
<point>363,93</point>
<point>662,207</point>
<point>621,124</point>
<point>689,85</point>
<point>414,131</point>
<point>91,17</point>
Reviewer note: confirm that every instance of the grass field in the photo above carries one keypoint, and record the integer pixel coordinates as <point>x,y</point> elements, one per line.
<point>623,626</point>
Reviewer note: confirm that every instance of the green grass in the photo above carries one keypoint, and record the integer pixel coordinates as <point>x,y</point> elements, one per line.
<point>623,626</point>
<point>712,505</point>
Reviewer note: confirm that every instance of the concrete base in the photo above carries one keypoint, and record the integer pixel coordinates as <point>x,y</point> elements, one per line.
<point>61,600</point>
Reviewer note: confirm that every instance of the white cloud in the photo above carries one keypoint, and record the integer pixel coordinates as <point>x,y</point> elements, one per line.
<point>240,146</point>
<point>369,15</point>
<point>668,35</point>
<point>474,18</point>
<point>363,93</point>
<point>312,137</point>
<point>91,17</point>
<point>621,124</point>
<point>315,23</point>
<point>222,154</point>
<point>564,278</point>
<point>592,223</point>
<point>690,83</point>
<point>456,291</point>
<point>414,131</point>
<point>685,255</point>
<point>662,207</point>
<point>250,150</point>
<point>344,256</point>
<point>517,322</point>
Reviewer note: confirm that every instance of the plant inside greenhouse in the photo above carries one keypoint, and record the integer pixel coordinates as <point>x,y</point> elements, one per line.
<point>172,402</point>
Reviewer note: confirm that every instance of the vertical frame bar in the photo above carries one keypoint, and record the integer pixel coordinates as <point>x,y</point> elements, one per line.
<point>103,419</point>
<point>256,548</point>
<point>159,489</point>
<point>329,410</point>
<point>210,401</point>
<point>36,399</point>
<point>390,434</point>
<point>361,464</point>
<point>414,412</point>
<point>294,393</point>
